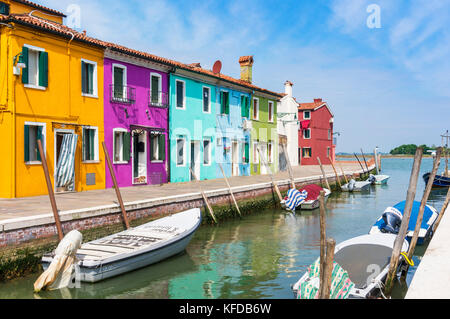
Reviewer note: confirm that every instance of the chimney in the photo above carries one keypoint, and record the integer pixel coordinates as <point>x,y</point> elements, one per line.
<point>317,101</point>
<point>246,63</point>
<point>288,88</point>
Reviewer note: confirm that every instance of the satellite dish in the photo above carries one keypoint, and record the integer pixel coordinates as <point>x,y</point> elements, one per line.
<point>217,67</point>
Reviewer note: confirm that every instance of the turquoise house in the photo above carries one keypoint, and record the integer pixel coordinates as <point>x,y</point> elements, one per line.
<point>192,127</point>
<point>232,132</point>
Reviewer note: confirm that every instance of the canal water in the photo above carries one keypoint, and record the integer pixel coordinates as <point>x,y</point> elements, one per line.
<point>259,256</point>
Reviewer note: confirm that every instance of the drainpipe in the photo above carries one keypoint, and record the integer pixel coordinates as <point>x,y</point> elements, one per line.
<point>168,165</point>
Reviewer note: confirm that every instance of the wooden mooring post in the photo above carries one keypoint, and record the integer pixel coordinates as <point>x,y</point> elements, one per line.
<point>335,173</point>
<point>323,173</point>
<point>229,188</point>
<point>375,155</point>
<point>365,162</point>
<point>51,194</point>
<point>205,198</point>
<point>441,214</point>
<point>343,173</point>
<point>405,221</point>
<point>291,174</point>
<point>425,196</point>
<point>116,187</point>
<point>359,164</point>
<point>277,190</point>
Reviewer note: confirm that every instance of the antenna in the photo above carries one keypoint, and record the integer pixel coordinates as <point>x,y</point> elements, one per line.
<point>217,67</point>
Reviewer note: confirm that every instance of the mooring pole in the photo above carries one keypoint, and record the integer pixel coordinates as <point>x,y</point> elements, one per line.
<point>375,155</point>
<point>413,242</point>
<point>51,194</point>
<point>323,238</point>
<point>277,190</point>
<point>328,268</point>
<point>405,220</point>
<point>116,186</point>
<point>365,162</point>
<point>444,207</point>
<point>343,173</point>
<point>323,173</point>
<point>205,198</point>
<point>291,174</point>
<point>335,173</point>
<point>359,163</point>
<point>229,188</point>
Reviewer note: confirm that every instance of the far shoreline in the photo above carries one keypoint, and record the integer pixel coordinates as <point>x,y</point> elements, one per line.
<point>383,155</point>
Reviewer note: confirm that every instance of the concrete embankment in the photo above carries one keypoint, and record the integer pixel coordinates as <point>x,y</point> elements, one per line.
<point>432,277</point>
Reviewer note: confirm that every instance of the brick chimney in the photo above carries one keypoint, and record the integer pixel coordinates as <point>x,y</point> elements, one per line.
<point>246,63</point>
<point>317,101</point>
<point>288,88</point>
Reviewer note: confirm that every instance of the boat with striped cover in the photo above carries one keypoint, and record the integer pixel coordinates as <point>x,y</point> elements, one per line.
<point>306,198</point>
<point>134,248</point>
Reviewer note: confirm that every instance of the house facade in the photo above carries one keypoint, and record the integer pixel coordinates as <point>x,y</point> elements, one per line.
<point>315,135</point>
<point>51,90</point>
<point>136,122</point>
<point>287,126</point>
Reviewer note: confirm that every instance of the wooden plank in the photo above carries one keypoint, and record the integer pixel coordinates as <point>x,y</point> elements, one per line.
<point>405,221</point>
<point>51,194</point>
<point>229,188</point>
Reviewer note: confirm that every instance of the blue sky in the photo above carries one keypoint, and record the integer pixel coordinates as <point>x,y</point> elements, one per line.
<point>386,86</point>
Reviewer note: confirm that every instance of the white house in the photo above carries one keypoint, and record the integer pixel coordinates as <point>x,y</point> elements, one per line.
<point>288,126</point>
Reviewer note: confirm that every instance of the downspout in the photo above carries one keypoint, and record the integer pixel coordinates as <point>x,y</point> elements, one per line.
<point>13,102</point>
<point>169,150</point>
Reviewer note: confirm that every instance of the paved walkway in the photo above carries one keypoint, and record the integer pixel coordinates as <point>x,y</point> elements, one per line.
<point>33,206</point>
<point>432,278</point>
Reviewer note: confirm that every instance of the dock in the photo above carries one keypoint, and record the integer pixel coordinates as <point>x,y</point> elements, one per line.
<point>26,219</point>
<point>432,278</point>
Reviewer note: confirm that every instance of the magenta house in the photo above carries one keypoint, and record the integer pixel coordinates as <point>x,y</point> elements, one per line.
<point>136,117</point>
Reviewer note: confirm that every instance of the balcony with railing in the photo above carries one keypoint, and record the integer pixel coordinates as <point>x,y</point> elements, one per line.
<point>158,99</point>
<point>122,94</point>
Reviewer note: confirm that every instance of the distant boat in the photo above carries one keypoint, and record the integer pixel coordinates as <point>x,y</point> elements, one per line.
<point>390,221</point>
<point>134,248</point>
<point>354,275</point>
<point>353,186</point>
<point>439,180</point>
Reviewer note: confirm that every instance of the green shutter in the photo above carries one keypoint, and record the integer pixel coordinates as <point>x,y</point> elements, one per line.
<point>126,146</point>
<point>91,144</point>
<point>43,69</point>
<point>26,143</point>
<point>25,70</point>
<point>90,78</point>
<point>227,104</point>
<point>243,105</point>
<point>162,147</point>
<point>247,103</point>
<point>247,153</point>
<point>39,137</point>
<point>118,82</point>
<point>221,103</point>
<point>83,77</point>
<point>85,132</point>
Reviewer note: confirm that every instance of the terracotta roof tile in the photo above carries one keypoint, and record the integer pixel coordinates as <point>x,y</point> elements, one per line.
<point>41,7</point>
<point>311,106</point>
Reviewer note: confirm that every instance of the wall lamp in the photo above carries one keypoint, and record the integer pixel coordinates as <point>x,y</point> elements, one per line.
<point>18,64</point>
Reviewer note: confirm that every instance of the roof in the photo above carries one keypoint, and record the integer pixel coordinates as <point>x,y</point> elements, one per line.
<point>311,106</point>
<point>40,7</point>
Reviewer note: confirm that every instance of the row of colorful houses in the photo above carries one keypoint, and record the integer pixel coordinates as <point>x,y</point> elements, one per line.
<point>160,120</point>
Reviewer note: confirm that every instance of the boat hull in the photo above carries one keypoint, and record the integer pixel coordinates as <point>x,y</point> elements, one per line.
<point>359,187</point>
<point>314,204</point>
<point>439,180</point>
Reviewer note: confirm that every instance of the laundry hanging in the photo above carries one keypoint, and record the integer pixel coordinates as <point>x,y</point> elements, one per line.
<point>304,124</point>
<point>65,169</point>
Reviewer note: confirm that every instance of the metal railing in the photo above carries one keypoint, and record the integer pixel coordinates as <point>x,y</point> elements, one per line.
<point>158,99</point>
<point>122,94</point>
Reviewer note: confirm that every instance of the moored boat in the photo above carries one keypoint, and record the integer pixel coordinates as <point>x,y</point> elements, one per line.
<point>306,198</point>
<point>134,248</point>
<point>439,180</point>
<point>378,179</point>
<point>354,186</point>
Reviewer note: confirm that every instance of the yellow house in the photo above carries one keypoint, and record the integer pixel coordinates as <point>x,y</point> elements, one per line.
<point>51,88</point>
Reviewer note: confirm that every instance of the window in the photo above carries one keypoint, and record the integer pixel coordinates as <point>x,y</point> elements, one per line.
<point>4,8</point>
<point>307,133</point>
<point>121,146</point>
<point>306,115</point>
<point>32,133</point>
<point>329,134</point>
<point>255,153</point>
<point>206,99</point>
<point>180,94</point>
<point>155,89</point>
<point>88,78</point>
<point>245,106</point>
<point>270,152</point>
<point>270,111</point>
<point>119,82</point>
<point>35,75</point>
<point>181,152</point>
<point>158,147</point>
<point>256,109</point>
<point>306,152</point>
<point>90,144</point>
<point>246,155</point>
<point>328,152</point>
<point>207,152</point>
<point>224,102</point>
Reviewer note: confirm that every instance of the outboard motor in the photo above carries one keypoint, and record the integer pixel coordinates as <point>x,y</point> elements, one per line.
<point>372,179</point>
<point>351,185</point>
<point>392,219</point>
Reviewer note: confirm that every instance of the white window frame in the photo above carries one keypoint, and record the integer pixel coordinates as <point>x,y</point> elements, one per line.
<point>184,151</point>
<point>304,135</point>
<point>255,152</point>
<point>159,85</point>
<point>120,130</point>
<point>35,86</point>
<point>270,114</point>
<point>94,80</point>
<point>209,96</point>
<point>125,78</point>
<point>184,94</point>
<point>44,139</point>
<point>209,152</point>
<point>304,115</point>
<point>96,154</point>
<point>253,109</point>
<point>309,152</point>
